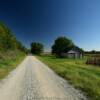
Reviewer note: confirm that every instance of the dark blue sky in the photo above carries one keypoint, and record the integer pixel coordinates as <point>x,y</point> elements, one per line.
<point>44,20</point>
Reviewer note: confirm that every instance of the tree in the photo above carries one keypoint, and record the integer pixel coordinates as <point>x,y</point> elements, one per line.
<point>36,48</point>
<point>8,41</point>
<point>61,45</point>
<point>78,48</point>
<point>93,51</point>
<point>6,38</point>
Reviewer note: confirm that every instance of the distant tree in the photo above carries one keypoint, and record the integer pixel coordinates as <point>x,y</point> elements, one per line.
<point>93,51</point>
<point>61,45</point>
<point>36,48</point>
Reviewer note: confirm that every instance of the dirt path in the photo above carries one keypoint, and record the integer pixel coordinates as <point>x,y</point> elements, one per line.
<point>33,80</point>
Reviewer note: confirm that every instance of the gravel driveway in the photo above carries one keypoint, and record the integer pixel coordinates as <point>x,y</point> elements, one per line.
<point>33,80</point>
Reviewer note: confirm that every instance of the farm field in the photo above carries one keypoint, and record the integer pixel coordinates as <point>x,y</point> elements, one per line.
<point>9,60</point>
<point>81,76</point>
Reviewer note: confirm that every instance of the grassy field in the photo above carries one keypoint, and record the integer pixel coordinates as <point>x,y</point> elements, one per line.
<point>8,61</point>
<point>81,76</point>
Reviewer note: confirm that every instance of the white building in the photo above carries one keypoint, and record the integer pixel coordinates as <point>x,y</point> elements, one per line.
<point>73,53</point>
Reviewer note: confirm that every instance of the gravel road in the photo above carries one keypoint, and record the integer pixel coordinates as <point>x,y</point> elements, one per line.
<point>33,80</point>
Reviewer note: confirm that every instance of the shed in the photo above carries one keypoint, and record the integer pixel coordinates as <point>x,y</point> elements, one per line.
<point>74,53</point>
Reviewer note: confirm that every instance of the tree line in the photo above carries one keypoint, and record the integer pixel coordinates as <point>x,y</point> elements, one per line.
<point>61,45</point>
<point>8,41</point>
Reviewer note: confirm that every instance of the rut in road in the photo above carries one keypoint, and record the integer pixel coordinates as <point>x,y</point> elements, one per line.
<point>33,80</point>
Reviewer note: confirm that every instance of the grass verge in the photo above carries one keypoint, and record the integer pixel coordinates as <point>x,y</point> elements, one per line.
<point>8,61</point>
<point>80,75</point>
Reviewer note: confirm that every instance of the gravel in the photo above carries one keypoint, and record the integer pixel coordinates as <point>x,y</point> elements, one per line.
<point>33,80</point>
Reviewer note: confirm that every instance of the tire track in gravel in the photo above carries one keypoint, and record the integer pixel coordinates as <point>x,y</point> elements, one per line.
<point>33,80</point>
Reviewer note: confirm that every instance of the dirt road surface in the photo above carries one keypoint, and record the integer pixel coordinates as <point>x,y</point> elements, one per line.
<point>33,80</point>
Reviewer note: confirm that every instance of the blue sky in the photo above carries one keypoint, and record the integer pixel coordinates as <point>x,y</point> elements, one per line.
<point>45,20</point>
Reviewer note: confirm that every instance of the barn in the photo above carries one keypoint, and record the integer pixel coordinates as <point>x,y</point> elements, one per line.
<point>73,53</point>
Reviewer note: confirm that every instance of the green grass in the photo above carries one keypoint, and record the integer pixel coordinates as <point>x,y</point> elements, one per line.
<point>8,61</point>
<point>81,76</point>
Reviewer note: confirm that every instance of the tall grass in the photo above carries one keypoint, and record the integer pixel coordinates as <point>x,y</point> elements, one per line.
<point>9,60</point>
<point>81,76</point>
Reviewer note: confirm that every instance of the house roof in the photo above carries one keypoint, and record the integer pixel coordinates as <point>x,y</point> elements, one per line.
<point>72,51</point>
<point>75,50</point>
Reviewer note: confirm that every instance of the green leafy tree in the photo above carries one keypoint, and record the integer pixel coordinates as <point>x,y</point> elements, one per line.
<point>36,48</point>
<point>8,41</point>
<point>61,45</point>
<point>79,49</point>
<point>93,52</point>
<point>5,37</point>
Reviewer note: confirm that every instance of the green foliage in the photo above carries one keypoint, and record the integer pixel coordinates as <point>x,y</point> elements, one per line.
<point>36,48</point>
<point>9,60</point>
<point>93,52</point>
<point>7,40</point>
<point>11,51</point>
<point>78,49</point>
<point>61,45</point>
